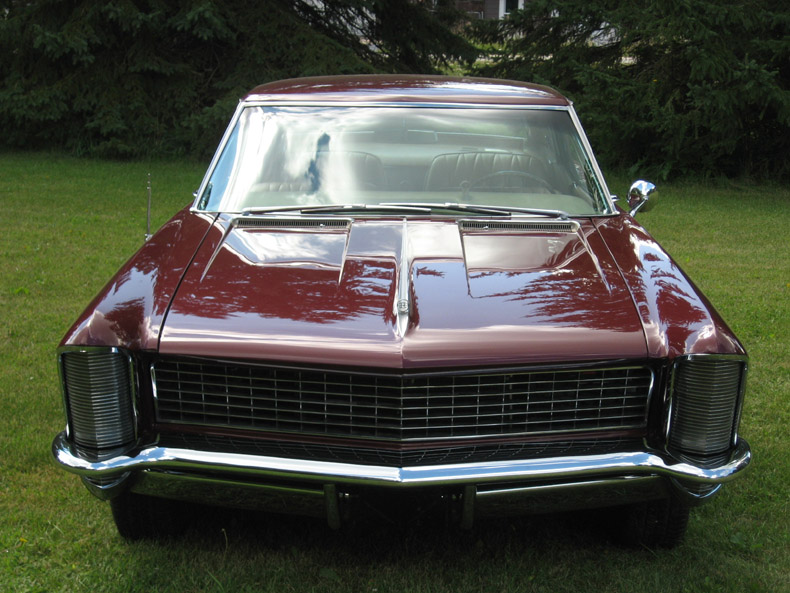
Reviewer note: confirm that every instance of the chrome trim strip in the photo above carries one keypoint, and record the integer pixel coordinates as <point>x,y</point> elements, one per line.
<point>401,104</point>
<point>154,392</point>
<point>568,496</point>
<point>692,498</point>
<point>402,301</point>
<point>593,257</point>
<point>217,154</point>
<point>107,490</point>
<point>607,195</point>
<point>280,498</point>
<point>640,463</point>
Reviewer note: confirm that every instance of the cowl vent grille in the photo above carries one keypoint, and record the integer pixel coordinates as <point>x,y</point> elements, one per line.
<point>399,407</point>
<point>548,226</point>
<point>292,223</point>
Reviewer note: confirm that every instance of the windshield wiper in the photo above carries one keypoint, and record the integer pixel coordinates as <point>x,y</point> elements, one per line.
<point>409,208</point>
<point>492,210</point>
<point>342,208</point>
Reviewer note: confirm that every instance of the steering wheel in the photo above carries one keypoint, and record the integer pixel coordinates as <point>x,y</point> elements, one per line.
<point>523,174</point>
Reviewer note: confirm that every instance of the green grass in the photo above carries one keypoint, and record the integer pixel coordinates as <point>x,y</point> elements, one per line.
<point>70,223</point>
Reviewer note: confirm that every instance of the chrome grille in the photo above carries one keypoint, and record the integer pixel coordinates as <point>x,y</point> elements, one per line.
<point>399,407</point>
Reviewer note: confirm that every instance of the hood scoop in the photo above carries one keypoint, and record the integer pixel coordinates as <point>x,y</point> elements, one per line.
<point>517,252</point>
<point>551,226</point>
<point>286,223</point>
<point>410,292</point>
<point>287,242</point>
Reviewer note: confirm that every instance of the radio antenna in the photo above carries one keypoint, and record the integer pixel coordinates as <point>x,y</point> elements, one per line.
<point>148,218</point>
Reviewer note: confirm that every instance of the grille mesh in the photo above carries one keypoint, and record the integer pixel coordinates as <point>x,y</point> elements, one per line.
<point>399,407</point>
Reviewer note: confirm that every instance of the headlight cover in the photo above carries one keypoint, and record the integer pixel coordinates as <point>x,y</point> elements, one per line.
<point>98,391</point>
<point>706,396</point>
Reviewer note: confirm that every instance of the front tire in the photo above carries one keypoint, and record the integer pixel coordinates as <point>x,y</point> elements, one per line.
<point>654,524</point>
<point>144,517</point>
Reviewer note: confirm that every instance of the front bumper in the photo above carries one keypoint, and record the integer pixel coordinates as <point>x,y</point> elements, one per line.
<point>319,487</point>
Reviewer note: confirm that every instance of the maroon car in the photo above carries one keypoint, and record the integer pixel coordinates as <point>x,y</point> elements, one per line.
<point>405,289</point>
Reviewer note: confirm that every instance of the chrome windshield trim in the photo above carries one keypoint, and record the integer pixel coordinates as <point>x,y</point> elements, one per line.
<point>607,195</point>
<point>400,104</point>
<point>217,154</point>
<point>647,462</point>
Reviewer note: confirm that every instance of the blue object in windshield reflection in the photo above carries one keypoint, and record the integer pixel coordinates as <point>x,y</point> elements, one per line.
<point>296,155</point>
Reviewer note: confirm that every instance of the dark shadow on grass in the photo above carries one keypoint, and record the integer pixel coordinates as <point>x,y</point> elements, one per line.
<point>373,538</point>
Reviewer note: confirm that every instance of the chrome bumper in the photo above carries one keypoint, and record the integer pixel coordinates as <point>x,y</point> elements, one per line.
<point>151,468</point>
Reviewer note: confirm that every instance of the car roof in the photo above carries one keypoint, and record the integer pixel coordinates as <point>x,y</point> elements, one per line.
<point>390,88</point>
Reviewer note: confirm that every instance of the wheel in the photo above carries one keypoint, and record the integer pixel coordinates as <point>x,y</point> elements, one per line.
<point>145,517</point>
<point>654,524</point>
<point>522,174</point>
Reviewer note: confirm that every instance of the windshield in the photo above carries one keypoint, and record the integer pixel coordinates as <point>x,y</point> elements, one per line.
<point>281,156</point>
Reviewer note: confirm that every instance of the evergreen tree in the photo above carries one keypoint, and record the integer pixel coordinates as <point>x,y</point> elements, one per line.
<point>128,77</point>
<point>677,86</point>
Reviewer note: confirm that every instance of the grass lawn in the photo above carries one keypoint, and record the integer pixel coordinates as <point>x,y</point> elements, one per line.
<point>70,223</point>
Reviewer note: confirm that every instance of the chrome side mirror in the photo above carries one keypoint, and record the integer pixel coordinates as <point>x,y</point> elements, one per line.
<point>642,196</point>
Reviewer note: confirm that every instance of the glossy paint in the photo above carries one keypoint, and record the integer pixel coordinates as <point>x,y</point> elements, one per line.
<point>130,309</point>
<point>676,317</point>
<point>407,89</point>
<point>477,298</point>
<point>328,297</point>
<point>468,298</point>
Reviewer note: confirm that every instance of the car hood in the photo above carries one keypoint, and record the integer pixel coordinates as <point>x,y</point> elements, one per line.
<point>403,293</point>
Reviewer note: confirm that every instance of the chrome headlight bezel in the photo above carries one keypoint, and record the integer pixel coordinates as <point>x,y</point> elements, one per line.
<point>722,414</point>
<point>102,413</point>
